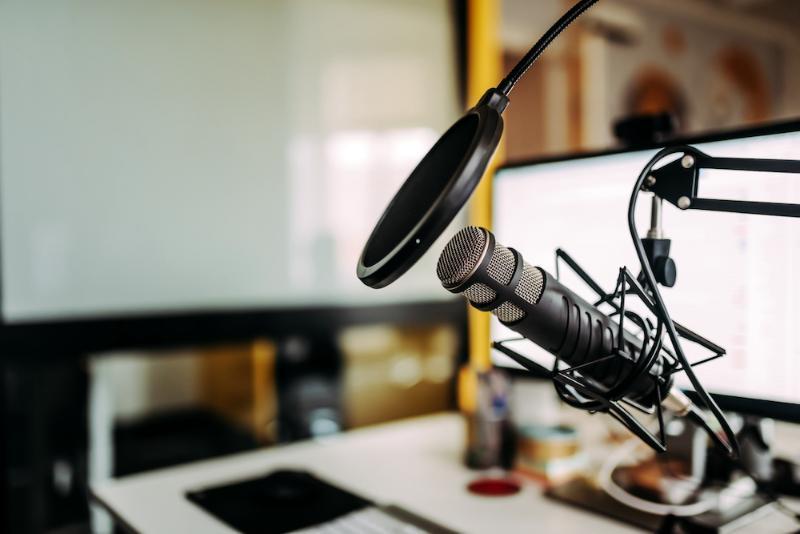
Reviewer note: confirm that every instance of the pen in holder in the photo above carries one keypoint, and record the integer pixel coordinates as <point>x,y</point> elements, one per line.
<point>490,433</point>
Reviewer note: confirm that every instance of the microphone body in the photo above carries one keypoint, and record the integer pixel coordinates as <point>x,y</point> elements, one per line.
<point>534,304</point>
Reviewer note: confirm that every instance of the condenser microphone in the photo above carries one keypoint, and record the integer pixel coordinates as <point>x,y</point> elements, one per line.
<point>532,302</point>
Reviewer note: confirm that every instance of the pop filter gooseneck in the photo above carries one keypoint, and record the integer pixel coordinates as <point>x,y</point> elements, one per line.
<point>444,180</point>
<point>536,50</point>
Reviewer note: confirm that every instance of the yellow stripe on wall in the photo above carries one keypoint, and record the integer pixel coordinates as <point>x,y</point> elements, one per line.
<point>484,70</point>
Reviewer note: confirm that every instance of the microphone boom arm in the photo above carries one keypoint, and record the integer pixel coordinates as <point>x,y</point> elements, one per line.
<point>677,182</point>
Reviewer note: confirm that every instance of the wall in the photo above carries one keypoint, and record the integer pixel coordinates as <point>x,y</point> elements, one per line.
<point>727,68</point>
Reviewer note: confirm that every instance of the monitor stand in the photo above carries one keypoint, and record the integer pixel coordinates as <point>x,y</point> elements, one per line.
<point>738,501</point>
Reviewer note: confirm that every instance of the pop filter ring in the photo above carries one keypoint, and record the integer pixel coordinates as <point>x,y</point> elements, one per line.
<point>416,216</point>
<point>381,263</point>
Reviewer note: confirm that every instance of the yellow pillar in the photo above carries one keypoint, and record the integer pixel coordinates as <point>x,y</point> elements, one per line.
<point>484,70</point>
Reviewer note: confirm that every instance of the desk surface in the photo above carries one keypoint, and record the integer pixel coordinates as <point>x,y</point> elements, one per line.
<point>415,464</point>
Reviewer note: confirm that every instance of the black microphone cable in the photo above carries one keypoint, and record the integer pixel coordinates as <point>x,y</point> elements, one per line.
<point>731,447</point>
<point>541,45</point>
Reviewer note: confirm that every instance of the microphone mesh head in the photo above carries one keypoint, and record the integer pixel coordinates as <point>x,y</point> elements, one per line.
<point>480,293</point>
<point>531,284</point>
<point>461,255</point>
<point>501,265</point>
<point>500,269</point>
<point>508,313</point>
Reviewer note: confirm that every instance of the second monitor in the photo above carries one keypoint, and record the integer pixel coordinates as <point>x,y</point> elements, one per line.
<point>736,281</point>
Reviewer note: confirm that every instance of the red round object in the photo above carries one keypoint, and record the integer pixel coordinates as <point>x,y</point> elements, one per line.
<point>494,487</point>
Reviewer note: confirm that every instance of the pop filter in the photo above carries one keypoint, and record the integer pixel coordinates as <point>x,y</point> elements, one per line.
<point>443,181</point>
<point>434,193</point>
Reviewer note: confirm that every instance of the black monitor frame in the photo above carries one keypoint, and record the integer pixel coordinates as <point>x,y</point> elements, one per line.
<point>784,411</point>
<point>70,338</point>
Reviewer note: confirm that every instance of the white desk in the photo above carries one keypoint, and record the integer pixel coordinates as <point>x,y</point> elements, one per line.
<point>415,464</point>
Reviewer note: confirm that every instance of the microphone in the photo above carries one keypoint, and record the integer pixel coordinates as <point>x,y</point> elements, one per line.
<point>532,302</point>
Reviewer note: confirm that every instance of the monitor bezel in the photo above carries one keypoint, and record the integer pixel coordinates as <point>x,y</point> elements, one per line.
<point>76,338</point>
<point>772,128</point>
<point>785,411</point>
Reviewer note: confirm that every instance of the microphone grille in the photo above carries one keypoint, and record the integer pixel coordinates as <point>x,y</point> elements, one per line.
<point>508,313</point>
<point>500,269</point>
<point>531,285</point>
<point>464,252</point>
<point>461,255</point>
<point>501,264</point>
<point>480,293</point>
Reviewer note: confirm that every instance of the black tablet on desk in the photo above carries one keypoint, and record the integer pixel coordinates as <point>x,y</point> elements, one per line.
<point>297,501</point>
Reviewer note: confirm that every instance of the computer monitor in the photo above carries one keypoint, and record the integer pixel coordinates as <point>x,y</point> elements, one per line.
<point>196,181</point>
<point>737,279</point>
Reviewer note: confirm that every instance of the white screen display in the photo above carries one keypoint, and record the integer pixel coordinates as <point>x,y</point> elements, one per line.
<point>170,156</point>
<point>737,282</point>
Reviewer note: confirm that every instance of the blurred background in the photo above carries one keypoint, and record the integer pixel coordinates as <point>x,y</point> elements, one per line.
<point>185,189</point>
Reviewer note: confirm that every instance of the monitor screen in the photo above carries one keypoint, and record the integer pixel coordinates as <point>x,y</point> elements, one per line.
<point>231,157</point>
<point>737,281</point>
